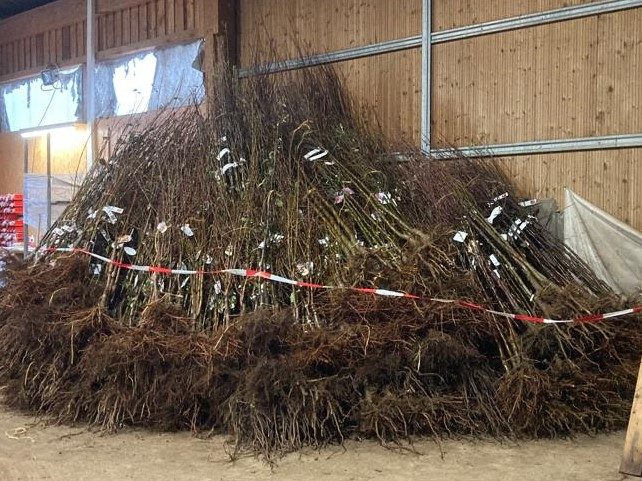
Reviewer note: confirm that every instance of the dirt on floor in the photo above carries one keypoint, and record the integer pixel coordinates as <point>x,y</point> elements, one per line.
<point>29,450</point>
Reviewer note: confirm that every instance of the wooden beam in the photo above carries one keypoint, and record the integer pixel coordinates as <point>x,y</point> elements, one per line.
<point>632,458</point>
<point>112,53</point>
<point>47,17</point>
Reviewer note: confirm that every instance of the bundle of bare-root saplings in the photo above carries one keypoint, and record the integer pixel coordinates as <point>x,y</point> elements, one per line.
<point>138,325</point>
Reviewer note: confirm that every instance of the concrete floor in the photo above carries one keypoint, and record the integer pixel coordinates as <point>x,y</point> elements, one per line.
<point>31,451</point>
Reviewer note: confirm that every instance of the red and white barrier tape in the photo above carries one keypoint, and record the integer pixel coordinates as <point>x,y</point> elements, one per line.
<point>378,292</point>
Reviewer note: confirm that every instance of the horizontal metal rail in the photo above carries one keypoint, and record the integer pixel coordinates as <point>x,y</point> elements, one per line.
<point>542,147</point>
<point>332,57</point>
<point>535,19</point>
<point>513,23</point>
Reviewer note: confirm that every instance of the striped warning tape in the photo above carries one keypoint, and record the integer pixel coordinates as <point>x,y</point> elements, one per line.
<point>378,292</point>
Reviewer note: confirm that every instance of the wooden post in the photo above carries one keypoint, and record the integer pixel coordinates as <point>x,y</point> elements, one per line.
<point>90,92</point>
<point>632,457</point>
<point>218,27</point>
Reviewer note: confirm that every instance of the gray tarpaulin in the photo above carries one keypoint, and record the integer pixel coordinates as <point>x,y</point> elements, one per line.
<point>612,248</point>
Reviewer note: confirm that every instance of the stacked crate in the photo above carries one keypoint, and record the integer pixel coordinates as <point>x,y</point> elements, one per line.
<point>11,220</point>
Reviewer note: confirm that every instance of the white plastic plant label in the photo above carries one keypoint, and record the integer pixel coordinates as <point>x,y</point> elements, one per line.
<point>493,215</point>
<point>460,236</point>
<point>187,230</point>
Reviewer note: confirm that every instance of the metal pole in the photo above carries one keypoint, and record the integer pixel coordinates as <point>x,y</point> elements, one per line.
<point>622,141</point>
<point>48,180</point>
<point>90,94</point>
<point>25,170</point>
<point>425,75</point>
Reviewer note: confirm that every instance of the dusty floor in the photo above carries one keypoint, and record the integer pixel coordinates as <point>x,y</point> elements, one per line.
<point>30,451</point>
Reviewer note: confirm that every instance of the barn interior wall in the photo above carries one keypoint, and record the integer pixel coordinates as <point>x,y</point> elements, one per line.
<point>571,79</point>
<point>56,34</point>
<point>11,163</point>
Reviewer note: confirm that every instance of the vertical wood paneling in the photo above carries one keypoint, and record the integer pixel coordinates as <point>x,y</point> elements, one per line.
<point>109,31</point>
<point>447,14</point>
<point>126,34</point>
<point>179,15</point>
<point>143,32</point>
<point>33,50</point>
<point>169,14</point>
<point>609,179</point>
<point>55,34</point>
<point>40,49</point>
<point>102,34</point>
<point>51,42</point>
<point>190,20</point>
<point>619,73</point>
<point>11,153</point>
<point>118,28</point>
<point>280,29</point>
<point>14,54</point>
<point>483,90</point>
<point>19,55</point>
<point>152,27</point>
<point>135,24</point>
<point>565,58</point>
<point>66,43</point>
<point>58,45</point>
<point>161,18</point>
<point>84,37</point>
<point>77,40</point>
<point>530,84</point>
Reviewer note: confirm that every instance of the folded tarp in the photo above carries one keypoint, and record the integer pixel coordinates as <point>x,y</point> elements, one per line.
<point>610,247</point>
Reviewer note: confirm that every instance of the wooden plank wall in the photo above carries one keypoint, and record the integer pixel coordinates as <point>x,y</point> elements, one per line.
<point>56,33</point>
<point>448,14</point>
<point>68,156</point>
<point>30,42</point>
<point>572,79</point>
<point>386,86</point>
<point>11,163</point>
<point>578,78</point>
<point>126,23</point>
<point>610,179</point>
<point>283,29</point>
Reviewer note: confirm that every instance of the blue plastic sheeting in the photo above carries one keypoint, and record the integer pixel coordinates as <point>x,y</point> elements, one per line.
<point>150,80</point>
<point>29,104</point>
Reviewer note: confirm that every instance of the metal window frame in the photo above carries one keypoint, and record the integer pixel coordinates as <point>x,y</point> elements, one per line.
<point>426,74</point>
